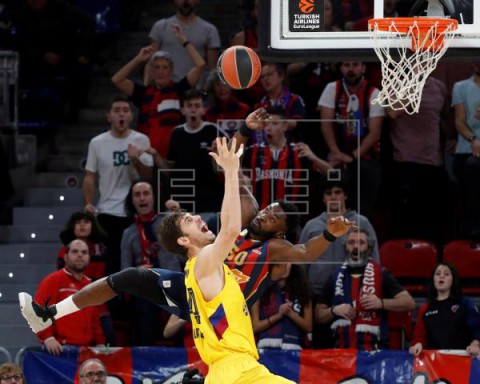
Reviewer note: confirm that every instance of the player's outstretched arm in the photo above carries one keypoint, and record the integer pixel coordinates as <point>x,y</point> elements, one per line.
<point>211,257</point>
<point>283,250</point>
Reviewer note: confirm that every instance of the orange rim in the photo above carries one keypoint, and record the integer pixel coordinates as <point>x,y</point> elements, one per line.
<point>424,39</point>
<point>403,24</point>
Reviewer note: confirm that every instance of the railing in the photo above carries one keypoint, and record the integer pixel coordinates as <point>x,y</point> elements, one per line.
<point>9,90</point>
<point>5,356</point>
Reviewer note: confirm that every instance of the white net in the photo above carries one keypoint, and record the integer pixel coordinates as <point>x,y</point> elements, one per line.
<point>407,64</point>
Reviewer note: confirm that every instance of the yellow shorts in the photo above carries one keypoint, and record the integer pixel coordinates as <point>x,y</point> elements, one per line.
<point>241,369</point>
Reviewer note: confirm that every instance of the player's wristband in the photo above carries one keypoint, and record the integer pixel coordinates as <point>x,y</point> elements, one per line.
<point>333,313</point>
<point>185,43</point>
<point>244,130</point>
<point>328,236</point>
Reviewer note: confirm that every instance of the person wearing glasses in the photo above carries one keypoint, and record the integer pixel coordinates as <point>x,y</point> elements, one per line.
<point>11,373</point>
<point>93,371</point>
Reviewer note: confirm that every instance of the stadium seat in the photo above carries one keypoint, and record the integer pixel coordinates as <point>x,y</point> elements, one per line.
<point>400,329</point>
<point>410,261</point>
<point>464,255</point>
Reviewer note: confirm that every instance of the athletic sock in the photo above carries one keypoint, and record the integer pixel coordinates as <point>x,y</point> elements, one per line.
<point>65,307</point>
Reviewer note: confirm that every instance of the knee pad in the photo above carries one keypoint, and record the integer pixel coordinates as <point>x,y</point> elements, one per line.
<point>126,281</point>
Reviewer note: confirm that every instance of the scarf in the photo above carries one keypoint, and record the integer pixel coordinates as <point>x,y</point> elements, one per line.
<point>366,321</point>
<point>148,238</point>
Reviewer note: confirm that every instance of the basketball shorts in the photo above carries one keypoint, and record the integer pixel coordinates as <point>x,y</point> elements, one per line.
<point>242,369</point>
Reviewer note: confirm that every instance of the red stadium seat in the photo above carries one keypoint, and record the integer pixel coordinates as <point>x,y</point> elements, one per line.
<point>464,255</point>
<point>400,328</point>
<point>410,261</point>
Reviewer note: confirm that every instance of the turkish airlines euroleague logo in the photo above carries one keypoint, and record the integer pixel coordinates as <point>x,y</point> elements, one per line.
<point>306,6</point>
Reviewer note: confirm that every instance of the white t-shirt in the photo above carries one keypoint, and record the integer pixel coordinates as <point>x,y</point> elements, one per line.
<point>327,99</point>
<point>202,34</point>
<point>107,156</point>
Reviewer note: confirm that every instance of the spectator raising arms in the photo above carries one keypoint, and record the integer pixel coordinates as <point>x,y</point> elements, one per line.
<point>159,101</point>
<point>448,320</point>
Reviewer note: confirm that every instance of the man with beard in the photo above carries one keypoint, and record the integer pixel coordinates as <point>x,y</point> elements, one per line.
<point>357,295</point>
<point>262,242</point>
<point>141,249</point>
<point>83,328</point>
<point>351,126</point>
<point>200,33</point>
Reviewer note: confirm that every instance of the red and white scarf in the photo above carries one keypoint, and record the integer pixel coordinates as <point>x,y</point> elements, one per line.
<point>366,321</point>
<point>147,243</point>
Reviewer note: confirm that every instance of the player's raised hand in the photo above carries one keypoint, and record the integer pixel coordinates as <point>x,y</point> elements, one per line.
<point>226,156</point>
<point>257,119</point>
<point>338,226</point>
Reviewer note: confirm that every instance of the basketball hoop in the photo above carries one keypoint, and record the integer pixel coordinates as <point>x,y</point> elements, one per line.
<point>406,64</point>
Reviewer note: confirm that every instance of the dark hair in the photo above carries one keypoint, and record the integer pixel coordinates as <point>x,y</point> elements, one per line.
<point>277,110</point>
<point>129,207</point>
<point>280,68</point>
<point>370,241</point>
<point>69,245</point>
<point>292,219</point>
<point>119,99</point>
<point>98,234</point>
<point>169,232</point>
<point>455,290</point>
<point>297,287</point>
<point>329,183</point>
<point>191,94</point>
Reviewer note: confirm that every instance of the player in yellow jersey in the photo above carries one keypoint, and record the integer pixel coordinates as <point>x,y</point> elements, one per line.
<point>222,328</point>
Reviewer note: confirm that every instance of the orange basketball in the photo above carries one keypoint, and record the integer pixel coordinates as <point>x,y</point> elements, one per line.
<point>239,67</point>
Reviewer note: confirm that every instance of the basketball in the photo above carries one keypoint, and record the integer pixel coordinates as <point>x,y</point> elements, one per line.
<point>239,67</point>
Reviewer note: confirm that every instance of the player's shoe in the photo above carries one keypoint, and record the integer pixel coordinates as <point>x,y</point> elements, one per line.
<point>38,317</point>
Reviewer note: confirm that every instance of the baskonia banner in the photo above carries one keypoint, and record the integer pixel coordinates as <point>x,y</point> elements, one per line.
<point>158,365</point>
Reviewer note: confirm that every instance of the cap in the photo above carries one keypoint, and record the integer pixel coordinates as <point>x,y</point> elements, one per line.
<point>162,55</point>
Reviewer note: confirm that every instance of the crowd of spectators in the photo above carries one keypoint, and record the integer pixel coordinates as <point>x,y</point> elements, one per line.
<point>340,166</point>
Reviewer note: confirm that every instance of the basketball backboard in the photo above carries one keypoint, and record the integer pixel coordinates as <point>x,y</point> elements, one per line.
<point>335,30</point>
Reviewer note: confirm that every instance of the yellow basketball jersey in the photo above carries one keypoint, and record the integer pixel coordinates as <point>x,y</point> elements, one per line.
<point>221,326</point>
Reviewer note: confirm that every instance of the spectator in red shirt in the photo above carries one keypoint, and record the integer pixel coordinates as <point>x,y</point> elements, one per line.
<point>226,110</point>
<point>84,226</point>
<point>159,101</point>
<point>82,328</point>
<point>448,319</point>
